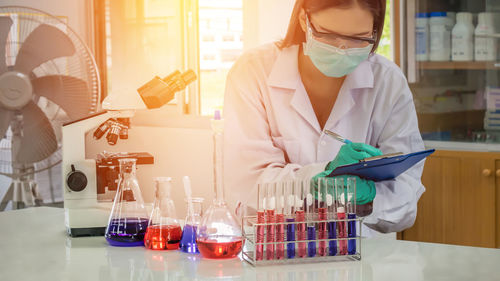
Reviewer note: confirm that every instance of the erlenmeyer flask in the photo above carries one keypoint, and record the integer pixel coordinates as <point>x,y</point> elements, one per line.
<point>219,235</point>
<point>128,219</point>
<point>164,231</point>
<point>191,224</point>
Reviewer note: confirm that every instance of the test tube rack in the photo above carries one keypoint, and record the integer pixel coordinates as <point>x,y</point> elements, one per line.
<point>249,230</point>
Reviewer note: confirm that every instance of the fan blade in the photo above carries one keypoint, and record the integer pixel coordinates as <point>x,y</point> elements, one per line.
<point>43,44</point>
<point>38,141</point>
<point>68,92</point>
<point>5,24</point>
<point>5,118</point>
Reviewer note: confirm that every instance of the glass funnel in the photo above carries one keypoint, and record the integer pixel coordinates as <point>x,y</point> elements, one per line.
<point>128,221</point>
<point>219,235</point>
<point>164,231</point>
<point>193,220</point>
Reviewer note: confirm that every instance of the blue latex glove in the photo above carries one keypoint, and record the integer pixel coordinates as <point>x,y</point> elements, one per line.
<point>349,154</point>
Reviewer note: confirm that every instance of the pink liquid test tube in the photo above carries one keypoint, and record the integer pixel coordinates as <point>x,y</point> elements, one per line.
<point>280,219</point>
<point>259,248</point>
<point>301,233</point>
<point>270,221</point>
<point>341,223</point>
<point>300,192</point>
<point>342,233</point>
<point>322,213</point>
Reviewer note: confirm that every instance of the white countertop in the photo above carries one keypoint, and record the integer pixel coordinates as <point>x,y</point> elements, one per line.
<point>34,246</point>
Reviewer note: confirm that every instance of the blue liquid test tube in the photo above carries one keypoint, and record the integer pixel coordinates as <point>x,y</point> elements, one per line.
<point>332,213</point>
<point>311,227</point>
<point>289,210</point>
<point>351,215</point>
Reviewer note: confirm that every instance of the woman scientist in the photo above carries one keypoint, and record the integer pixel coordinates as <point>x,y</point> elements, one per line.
<point>323,75</point>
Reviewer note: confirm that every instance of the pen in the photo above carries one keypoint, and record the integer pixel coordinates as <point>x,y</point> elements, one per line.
<point>337,137</point>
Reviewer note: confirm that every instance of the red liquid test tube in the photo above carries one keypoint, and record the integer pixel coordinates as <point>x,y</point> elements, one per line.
<point>342,231</point>
<point>322,231</point>
<point>280,236</point>
<point>301,233</point>
<point>270,234</point>
<point>259,249</point>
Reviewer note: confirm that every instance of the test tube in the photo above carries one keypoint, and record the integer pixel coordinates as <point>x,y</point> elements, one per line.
<point>351,215</point>
<point>322,214</point>
<point>332,213</point>
<point>259,248</point>
<point>290,226</point>
<point>280,219</point>
<point>300,192</point>
<point>270,220</point>
<point>311,226</point>
<point>341,223</point>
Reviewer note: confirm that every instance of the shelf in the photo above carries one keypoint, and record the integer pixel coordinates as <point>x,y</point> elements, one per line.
<point>477,65</point>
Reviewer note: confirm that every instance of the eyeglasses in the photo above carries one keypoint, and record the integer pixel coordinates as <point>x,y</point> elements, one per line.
<point>340,40</point>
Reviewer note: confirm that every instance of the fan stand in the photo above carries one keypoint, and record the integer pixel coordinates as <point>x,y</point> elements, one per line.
<point>23,189</point>
<point>22,193</point>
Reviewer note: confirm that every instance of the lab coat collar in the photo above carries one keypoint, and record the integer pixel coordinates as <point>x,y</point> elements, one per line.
<point>361,77</point>
<point>285,71</point>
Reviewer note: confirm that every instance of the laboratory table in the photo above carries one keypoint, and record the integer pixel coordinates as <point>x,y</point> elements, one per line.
<point>34,246</point>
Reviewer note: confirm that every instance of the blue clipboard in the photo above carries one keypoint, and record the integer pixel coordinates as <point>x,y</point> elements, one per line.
<point>382,169</point>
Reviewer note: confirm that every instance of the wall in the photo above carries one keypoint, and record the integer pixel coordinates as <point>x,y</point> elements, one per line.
<point>265,21</point>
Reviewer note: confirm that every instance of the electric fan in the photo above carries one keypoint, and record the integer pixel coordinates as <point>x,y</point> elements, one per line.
<point>47,77</point>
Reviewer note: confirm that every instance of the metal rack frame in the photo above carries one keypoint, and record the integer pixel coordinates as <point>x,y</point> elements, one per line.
<point>249,228</point>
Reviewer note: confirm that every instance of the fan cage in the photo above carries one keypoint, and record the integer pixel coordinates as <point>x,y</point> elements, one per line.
<point>80,65</point>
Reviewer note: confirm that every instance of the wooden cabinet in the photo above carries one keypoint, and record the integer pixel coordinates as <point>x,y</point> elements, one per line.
<point>461,203</point>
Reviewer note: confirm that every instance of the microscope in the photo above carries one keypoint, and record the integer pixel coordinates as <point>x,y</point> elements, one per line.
<point>90,184</point>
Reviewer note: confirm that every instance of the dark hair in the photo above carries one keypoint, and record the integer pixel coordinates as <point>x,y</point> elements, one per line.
<point>295,35</point>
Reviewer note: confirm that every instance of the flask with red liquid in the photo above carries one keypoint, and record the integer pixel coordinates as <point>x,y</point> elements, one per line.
<point>164,231</point>
<point>219,234</point>
<point>128,219</point>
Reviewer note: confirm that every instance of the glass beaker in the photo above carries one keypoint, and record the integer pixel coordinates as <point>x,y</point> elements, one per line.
<point>193,220</point>
<point>128,221</point>
<point>164,231</point>
<point>219,235</point>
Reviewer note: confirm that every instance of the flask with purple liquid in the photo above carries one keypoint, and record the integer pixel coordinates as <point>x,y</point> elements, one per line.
<point>128,220</point>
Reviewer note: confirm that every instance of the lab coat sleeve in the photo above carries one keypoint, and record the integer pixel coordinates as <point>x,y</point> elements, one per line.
<point>250,155</point>
<point>395,205</point>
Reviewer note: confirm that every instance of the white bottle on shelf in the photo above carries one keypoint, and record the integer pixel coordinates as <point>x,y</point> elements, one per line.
<point>422,37</point>
<point>485,48</point>
<point>462,44</point>
<point>440,36</point>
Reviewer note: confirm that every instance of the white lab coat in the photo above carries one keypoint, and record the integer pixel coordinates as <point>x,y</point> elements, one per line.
<point>272,133</point>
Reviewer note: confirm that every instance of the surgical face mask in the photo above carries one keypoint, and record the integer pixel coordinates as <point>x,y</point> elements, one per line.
<point>333,61</point>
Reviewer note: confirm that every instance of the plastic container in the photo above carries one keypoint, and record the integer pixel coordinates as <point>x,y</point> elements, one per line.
<point>440,26</point>
<point>422,37</point>
<point>485,48</point>
<point>462,38</point>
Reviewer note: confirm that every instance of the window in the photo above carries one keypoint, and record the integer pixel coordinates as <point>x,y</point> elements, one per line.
<point>220,31</point>
<point>140,39</point>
